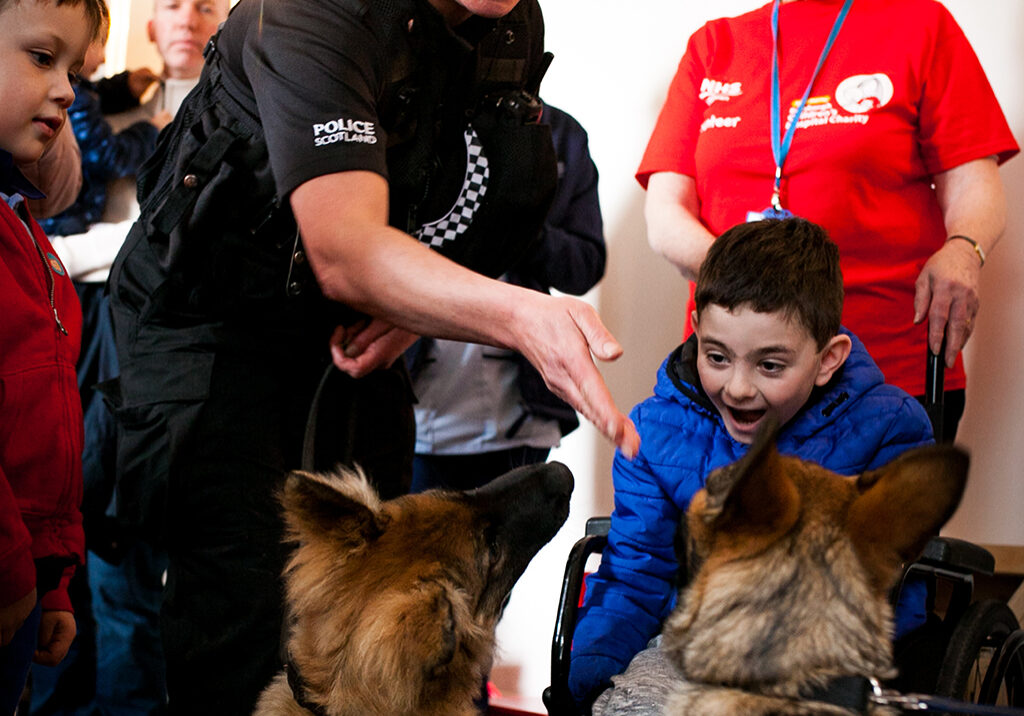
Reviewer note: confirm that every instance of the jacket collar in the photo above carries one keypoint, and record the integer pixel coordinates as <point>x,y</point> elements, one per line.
<point>12,181</point>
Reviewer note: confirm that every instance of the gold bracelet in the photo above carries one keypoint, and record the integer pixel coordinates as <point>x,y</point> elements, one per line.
<point>977,247</point>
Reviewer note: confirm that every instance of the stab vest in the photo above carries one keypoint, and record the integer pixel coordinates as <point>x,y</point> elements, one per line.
<point>216,246</point>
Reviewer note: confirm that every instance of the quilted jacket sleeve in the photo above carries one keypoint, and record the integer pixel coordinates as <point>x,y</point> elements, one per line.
<point>632,591</point>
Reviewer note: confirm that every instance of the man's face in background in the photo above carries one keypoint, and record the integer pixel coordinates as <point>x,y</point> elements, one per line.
<point>180,29</point>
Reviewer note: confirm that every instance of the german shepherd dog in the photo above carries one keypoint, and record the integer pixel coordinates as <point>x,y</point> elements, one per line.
<point>392,605</point>
<point>795,567</point>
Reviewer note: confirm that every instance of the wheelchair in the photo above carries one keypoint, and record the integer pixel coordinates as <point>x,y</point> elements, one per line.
<point>974,649</point>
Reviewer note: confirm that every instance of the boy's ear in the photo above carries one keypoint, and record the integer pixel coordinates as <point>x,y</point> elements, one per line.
<point>836,351</point>
<point>149,31</point>
<point>693,318</point>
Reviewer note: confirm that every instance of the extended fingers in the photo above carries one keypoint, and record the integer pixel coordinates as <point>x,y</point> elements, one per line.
<point>586,389</point>
<point>599,339</point>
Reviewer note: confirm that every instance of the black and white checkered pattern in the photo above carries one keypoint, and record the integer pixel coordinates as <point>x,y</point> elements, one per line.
<point>474,187</point>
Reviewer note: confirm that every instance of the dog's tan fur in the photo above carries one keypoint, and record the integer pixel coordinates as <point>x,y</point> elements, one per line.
<point>391,604</point>
<point>796,564</point>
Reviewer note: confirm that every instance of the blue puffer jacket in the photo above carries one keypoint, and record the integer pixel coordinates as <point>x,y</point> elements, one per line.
<point>854,423</point>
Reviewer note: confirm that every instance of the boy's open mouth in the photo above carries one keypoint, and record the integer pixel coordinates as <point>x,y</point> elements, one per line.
<point>746,417</point>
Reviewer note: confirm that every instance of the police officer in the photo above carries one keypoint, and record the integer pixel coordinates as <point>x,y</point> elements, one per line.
<point>275,240</point>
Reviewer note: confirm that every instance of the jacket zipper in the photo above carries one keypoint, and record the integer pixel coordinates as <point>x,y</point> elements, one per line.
<point>50,280</point>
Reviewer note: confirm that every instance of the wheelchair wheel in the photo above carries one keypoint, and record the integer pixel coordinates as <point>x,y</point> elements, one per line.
<point>974,646</point>
<point>1004,680</point>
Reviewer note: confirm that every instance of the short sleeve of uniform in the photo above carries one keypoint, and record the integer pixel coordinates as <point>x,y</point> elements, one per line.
<point>315,68</point>
<point>959,114</point>
<point>673,142</point>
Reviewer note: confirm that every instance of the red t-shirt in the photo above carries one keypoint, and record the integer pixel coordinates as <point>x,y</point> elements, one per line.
<point>900,98</point>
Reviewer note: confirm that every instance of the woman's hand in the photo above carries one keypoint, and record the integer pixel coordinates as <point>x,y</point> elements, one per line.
<point>946,293</point>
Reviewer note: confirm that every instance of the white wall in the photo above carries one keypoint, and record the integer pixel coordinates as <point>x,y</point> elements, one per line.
<point>613,62</point>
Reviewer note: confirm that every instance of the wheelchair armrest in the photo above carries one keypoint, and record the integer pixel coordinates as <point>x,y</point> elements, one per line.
<point>557,697</point>
<point>958,555</point>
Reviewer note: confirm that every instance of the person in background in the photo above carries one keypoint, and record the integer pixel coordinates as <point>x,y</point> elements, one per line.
<point>42,45</point>
<point>482,411</point>
<point>873,119</point>
<point>116,665</point>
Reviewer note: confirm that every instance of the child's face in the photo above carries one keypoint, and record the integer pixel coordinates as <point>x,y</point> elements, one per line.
<point>752,364</point>
<point>96,55</point>
<point>41,46</point>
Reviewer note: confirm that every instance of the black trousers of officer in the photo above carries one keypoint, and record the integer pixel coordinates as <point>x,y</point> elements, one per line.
<point>223,607</point>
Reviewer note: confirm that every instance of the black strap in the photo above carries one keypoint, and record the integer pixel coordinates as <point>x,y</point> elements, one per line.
<point>309,437</point>
<point>183,196</point>
<point>846,692</point>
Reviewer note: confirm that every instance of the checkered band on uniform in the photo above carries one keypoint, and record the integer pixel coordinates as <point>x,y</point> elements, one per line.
<point>474,187</point>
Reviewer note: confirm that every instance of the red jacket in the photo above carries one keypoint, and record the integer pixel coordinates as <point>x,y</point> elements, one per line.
<point>41,431</point>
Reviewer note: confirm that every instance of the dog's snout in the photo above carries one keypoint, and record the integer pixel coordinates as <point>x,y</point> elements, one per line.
<point>559,482</point>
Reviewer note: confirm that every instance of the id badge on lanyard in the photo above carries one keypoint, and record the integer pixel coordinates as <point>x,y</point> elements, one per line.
<point>781,145</point>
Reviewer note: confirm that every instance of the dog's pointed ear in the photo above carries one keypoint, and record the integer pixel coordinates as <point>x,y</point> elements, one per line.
<point>328,504</point>
<point>754,494</point>
<point>903,505</point>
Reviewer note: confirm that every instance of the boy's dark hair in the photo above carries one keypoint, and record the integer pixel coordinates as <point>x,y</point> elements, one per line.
<point>95,10</point>
<point>787,265</point>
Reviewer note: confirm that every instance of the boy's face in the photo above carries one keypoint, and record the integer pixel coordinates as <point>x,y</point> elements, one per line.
<point>752,364</point>
<point>41,46</point>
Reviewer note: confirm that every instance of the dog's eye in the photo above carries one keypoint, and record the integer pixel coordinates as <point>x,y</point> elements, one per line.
<point>491,542</point>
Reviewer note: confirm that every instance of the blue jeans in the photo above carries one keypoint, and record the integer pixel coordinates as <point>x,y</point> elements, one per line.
<point>118,670</point>
<point>15,660</point>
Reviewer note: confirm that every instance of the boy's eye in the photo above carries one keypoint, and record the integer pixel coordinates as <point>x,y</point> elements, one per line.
<point>771,366</point>
<point>716,358</point>
<point>41,57</point>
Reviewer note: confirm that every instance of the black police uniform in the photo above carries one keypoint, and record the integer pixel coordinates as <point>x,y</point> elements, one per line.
<point>222,331</point>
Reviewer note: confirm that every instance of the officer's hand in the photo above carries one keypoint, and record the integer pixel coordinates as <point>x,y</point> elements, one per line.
<point>366,346</point>
<point>559,336</point>
<point>56,632</point>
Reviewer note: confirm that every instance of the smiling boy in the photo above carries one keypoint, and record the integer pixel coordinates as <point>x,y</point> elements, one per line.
<point>767,340</point>
<point>42,45</point>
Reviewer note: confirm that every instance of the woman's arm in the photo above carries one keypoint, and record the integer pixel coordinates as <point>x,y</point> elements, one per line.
<point>674,229</point>
<point>974,205</point>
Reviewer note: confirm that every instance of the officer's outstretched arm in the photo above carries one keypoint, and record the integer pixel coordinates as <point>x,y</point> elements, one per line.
<point>361,261</point>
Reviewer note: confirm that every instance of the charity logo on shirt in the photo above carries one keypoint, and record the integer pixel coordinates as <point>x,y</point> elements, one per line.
<point>712,91</point>
<point>864,93</point>
<point>344,130</point>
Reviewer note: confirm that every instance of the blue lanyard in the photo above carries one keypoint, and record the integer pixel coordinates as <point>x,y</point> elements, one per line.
<point>781,149</point>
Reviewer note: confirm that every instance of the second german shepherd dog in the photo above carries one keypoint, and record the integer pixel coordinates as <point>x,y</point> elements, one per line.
<point>392,605</point>
<point>795,567</point>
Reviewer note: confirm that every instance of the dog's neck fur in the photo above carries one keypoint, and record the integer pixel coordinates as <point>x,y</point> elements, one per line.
<point>797,652</point>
